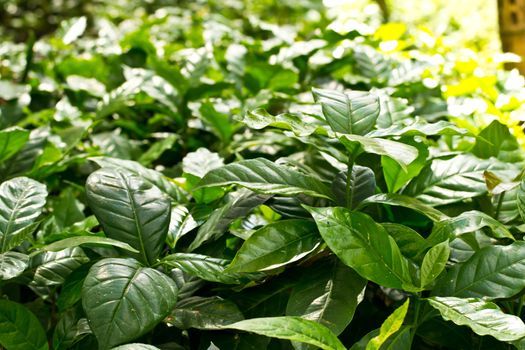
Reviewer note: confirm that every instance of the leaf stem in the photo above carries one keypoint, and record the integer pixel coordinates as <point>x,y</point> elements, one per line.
<point>415,323</point>
<point>520,305</point>
<point>500,203</point>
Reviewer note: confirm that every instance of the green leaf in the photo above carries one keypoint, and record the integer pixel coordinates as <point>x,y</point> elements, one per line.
<point>181,222</point>
<point>402,153</point>
<point>12,264</point>
<point>130,210</point>
<point>520,199</point>
<point>419,127</point>
<point>80,240</point>
<point>299,124</point>
<point>205,267</point>
<point>238,205</point>
<point>390,326</point>
<point>220,123</point>
<point>362,186</point>
<point>493,272</point>
<point>483,317</point>
<point>365,246</point>
<point>204,313</point>
<point>11,141</point>
<point>291,328</point>
<point>164,183</point>
<point>70,329</point>
<point>490,140</point>
<point>353,113</point>
<point>434,263</point>
<point>470,221</point>
<point>71,291</point>
<point>275,245</point>
<point>407,202</point>
<point>328,293</point>
<point>409,241</point>
<point>20,329</point>
<point>124,300</point>
<point>136,346</point>
<point>52,268</point>
<point>452,180</point>
<point>395,176</point>
<point>201,162</point>
<point>265,176</point>
<point>21,202</point>
<point>157,149</point>
<point>392,111</point>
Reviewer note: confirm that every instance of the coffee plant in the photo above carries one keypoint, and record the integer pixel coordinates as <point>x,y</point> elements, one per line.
<point>203,177</point>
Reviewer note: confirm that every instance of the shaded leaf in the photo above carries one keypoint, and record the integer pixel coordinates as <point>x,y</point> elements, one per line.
<point>19,328</point>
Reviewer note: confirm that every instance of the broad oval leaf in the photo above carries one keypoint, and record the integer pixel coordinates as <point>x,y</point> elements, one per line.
<point>181,222</point>
<point>164,183</point>
<point>204,313</point>
<point>276,244</point>
<point>72,242</point>
<point>207,268</point>
<point>12,264</point>
<point>391,325</point>
<point>406,202</point>
<point>238,204</point>
<point>362,185</point>
<point>328,293</point>
<point>291,328</point>
<point>21,202</point>
<point>52,268</point>
<point>402,153</point>
<point>492,272</point>
<point>297,123</point>
<point>123,300</point>
<point>420,127</point>
<point>11,141</point>
<point>365,246</point>
<point>483,317</point>
<point>434,263</point>
<point>19,328</point>
<point>452,180</point>
<point>263,175</point>
<point>130,210</point>
<point>352,113</point>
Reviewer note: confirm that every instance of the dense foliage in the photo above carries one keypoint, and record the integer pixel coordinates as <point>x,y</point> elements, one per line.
<point>201,177</point>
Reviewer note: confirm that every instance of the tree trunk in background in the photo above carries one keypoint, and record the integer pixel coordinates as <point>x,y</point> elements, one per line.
<point>511,17</point>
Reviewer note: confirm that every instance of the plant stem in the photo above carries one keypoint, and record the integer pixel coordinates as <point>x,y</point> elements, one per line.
<point>415,324</point>
<point>498,207</point>
<point>520,305</point>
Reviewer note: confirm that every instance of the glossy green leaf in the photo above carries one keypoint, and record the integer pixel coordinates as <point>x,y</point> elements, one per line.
<point>238,204</point>
<point>88,240</point>
<point>181,222</point>
<point>19,328</point>
<point>21,202</point>
<point>204,313</point>
<point>395,176</point>
<point>205,267</point>
<point>355,112</point>
<point>392,111</point>
<point>157,149</point>
<point>52,268</point>
<point>135,346</point>
<point>291,328</point>
<point>164,183</point>
<point>200,162</point>
<point>362,185</point>
<point>70,329</point>
<point>11,141</point>
<point>265,176</point>
<point>275,245</point>
<point>130,210</point>
<point>12,264</point>
<point>124,300</point>
<point>390,326</point>
<point>328,293</point>
<point>365,246</point>
<point>452,180</point>
<point>406,202</point>
<point>490,140</point>
<point>492,272</point>
<point>402,153</point>
<point>520,199</point>
<point>483,317</point>
<point>420,128</point>
<point>410,242</point>
<point>470,221</point>
<point>299,124</point>
<point>434,263</point>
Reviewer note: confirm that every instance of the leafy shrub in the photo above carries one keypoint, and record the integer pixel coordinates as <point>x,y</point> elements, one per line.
<point>191,180</point>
